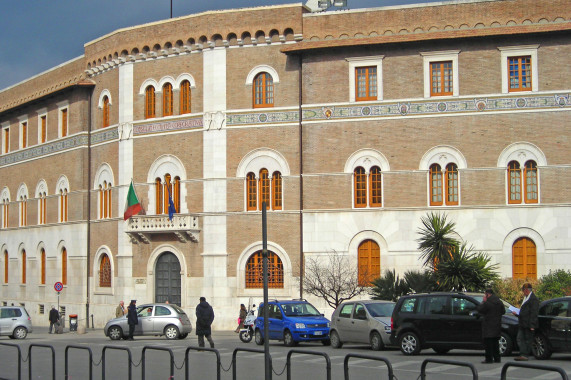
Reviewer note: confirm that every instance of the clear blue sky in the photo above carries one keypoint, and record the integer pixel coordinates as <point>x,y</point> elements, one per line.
<point>36,35</point>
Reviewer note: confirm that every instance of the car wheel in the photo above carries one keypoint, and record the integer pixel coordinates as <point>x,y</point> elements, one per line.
<point>288,339</point>
<point>409,343</point>
<point>258,338</point>
<point>506,344</point>
<point>376,341</point>
<point>335,340</point>
<point>20,333</point>
<point>541,349</point>
<point>440,350</point>
<point>183,336</point>
<point>171,332</point>
<point>115,333</point>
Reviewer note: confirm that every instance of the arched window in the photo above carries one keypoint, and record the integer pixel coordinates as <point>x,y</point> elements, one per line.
<point>277,191</point>
<point>5,213</point>
<point>159,196</point>
<point>254,271</point>
<point>263,91</point>
<point>167,99</point>
<point>524,259</point>
<point>42,267</point>
<point>530,180</point>
<point>42,208</point>
<point>164,189</point>
<point>23,266</point>
<point>451,184</point>
<point>252,190</point>
<point>360,186</point>
<point>23,211</point>
<point>105,272</point>
<point>185,97</point>
<point>375,191</point>
<point>105,201</point>
<point>435,185</point>
<point>105,121</point>
<point>64,266</point>
<point>149,102</point>
<point>369,257</point>
<point>63,205</point>
<point>264,188</point>
<point>6,267</point>
<point>514,180</point>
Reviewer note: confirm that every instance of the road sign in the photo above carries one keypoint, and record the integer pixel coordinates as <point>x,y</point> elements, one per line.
<point>58,286</point>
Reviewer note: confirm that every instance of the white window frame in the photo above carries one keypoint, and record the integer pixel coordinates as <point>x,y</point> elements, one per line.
<point>367,158</point>
<point>21,120</point>
<point>42,113</point>
<point>5,148</point>
<point>440,56</point>
<point>355,62</point>
<point>517,51</point>
<point>62,107</point>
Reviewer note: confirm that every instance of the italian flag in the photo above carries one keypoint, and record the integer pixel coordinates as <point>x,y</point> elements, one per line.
<point>133,206</point>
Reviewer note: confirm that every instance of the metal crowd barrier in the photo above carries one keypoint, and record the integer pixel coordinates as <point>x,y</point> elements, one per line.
<point>30,359</point>
<point>448,362</point>
<point>187,360</point>
<point>158,349</point>
<point>234,354</point>
<point>105,348</point>
<point>78,348</point>
<point>385,360</point>
<point>291,352</point>
<point>19,357</point>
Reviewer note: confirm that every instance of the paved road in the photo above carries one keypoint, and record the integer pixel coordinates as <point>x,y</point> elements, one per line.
<point>250,366</point>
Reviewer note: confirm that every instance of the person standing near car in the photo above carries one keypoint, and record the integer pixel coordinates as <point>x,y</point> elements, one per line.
<point>492,310</point>
<point>241,317</point>
<point>528,322</point>
<point>132,318</point>
<point>204,318</point>
<point>120,310</point>
<point>53,318</point>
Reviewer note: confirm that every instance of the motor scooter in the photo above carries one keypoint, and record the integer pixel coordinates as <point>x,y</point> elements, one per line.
<point>247,332</point>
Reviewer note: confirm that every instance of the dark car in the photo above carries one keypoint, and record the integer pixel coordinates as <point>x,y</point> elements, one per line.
<point>554,332</point>
<point>292,321</point>
<point>445,321</point>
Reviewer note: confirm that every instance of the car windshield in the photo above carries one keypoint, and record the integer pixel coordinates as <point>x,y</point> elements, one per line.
<point>380,309</point>
<point>480,298</point>
<point>301,309</point>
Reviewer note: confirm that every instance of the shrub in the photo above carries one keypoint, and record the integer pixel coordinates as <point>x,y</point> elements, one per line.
<point>555,284</point>
<point>388,287</point>
<point>509,289</point>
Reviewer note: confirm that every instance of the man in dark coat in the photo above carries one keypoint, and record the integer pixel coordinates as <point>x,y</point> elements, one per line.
<point>527,322</point>
<point>492,310</point>
<point>54,318</point>
<point>132,318</point>
<point>204,318</point>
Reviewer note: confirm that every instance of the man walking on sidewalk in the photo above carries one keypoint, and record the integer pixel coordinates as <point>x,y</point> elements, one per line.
<point>527,322</point>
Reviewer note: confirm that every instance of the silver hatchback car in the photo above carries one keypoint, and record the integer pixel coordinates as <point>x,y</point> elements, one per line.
<point>15,322</point>
<point>154,319</point>
<point>366,321</point>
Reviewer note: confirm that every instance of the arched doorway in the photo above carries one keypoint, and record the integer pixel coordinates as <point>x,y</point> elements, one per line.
<point>524,258</point>
<point>369,257</point>
<point>167,279</point>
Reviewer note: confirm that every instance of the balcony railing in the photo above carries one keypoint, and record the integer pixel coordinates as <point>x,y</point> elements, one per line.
<point>141,227</point>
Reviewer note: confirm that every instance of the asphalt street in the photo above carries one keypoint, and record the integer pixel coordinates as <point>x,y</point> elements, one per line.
<point>308,361</point>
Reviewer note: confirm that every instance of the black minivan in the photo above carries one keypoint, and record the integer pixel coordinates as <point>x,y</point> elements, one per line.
<point>444,321</point>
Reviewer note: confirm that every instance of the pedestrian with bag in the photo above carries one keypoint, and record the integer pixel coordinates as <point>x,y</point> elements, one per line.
<point>492,309</point>
<point>204,318</point>
<point>241,318</point>
<point>132,318</point>
<point>54,319</point>
<point>528,322</point>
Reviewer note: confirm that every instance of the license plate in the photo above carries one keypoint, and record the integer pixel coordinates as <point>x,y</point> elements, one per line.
<point>318,333</point>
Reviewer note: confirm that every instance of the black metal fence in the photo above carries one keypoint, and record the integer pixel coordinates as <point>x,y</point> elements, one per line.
<point>87,365</point>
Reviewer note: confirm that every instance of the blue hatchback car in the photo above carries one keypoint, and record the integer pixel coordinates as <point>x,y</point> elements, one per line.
<point>292,321</point>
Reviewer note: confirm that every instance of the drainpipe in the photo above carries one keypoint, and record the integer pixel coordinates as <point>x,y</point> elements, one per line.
<point>300,112</point>
<point>88,266</point>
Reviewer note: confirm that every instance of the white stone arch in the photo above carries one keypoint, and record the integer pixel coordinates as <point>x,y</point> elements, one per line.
<point>62,184</point>
<point>183,77</point>
<point>260,158</point>
<point>5,195</point>
<point>151,264</point>
<point>521,152</point>
<point>147,83</point>
<point>166,164</point>
<point>103,250</point>
<point>261,69</point>
<point>287,290</point>
<point>366,158</point>
<point>443,155</point>
<point>41,188</point>
<point>163,81</point>
<point>103,94</point>
<point>22,192</point>
<point>507,259</point>
<point>104,174</point>
<point>353,248</point>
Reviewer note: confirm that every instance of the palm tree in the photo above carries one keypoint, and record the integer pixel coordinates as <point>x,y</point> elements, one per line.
<point>437,241</point>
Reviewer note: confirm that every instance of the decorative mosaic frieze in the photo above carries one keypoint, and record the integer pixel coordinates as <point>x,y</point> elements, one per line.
<point>266,117</point>
<point>104,136</point>
<point>167,126</point>
<point>44,150</point>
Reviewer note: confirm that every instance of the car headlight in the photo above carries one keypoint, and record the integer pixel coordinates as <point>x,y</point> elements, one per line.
<point>328,324</point>
<point>300,325</point>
